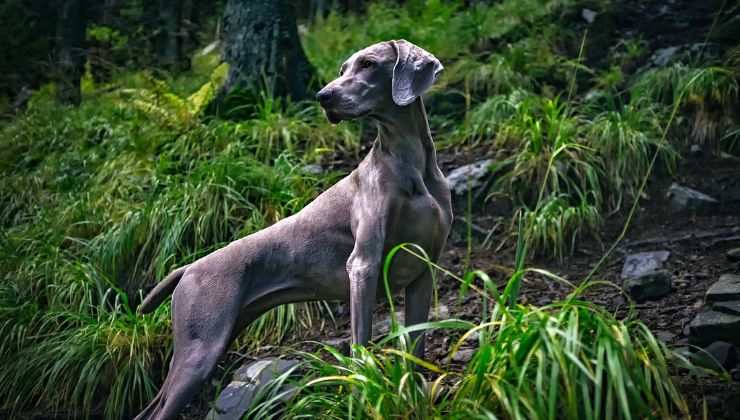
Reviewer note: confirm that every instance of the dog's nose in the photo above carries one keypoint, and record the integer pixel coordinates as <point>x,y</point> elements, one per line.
<point>324,96</point>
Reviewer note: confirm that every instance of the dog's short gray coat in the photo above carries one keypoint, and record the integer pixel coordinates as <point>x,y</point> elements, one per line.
<point>333,249</point>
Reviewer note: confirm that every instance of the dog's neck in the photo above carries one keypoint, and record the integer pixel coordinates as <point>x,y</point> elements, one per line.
<point>404,134</point>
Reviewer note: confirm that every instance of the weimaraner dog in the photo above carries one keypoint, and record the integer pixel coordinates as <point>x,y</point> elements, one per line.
<point>334,248</point>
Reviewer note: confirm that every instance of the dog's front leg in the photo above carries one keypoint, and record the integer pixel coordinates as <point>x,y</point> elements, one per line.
<point>363,267</point>
<point>417,302</point>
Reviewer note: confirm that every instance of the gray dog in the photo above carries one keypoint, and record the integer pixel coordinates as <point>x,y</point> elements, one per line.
<point>333,249</point>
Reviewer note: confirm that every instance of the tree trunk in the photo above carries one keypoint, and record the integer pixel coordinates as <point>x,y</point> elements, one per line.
<point>189,25</point>
<point>263,50</point>
<point>71,35</point>
<point>169,45</point>
<point>100,51</point>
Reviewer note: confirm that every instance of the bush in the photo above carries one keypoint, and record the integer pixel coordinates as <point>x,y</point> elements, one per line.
<point>102,201</point>
<point>569,359</point>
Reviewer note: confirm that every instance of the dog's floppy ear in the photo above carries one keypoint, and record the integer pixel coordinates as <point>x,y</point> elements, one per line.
<point>414,73</point>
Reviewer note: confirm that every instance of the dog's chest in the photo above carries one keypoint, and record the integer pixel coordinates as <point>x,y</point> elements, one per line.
<point>422,220</point>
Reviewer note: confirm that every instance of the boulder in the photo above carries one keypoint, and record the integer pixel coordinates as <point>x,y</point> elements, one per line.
<point>463,355</point>
<point>650,285</point>
<point>731,307</point>
<point>312,169</point>
<point>665,336</point>
<point>343,344</point>
<point>664,56</point>
<point>588,15</point>
<point>685,199</point>
<point>710,326</point>
<point>472,175</point>
<point>643,276</point>
<point>727,288</point>
<point>717,356</point>
<point>641,263</point>
<point>383,326</point>
<point>236,399</point>
<point>696,150</point>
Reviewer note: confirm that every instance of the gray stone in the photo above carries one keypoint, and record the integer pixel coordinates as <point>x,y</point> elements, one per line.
<point>439,312</point>
<point>696,150</point>
<point>340,343</point>
<point>313,169</point>
<point>665,336</point>
<point>651,285</point>
<point>711,326</point>
<point>663,56</point>
<point>463,356</point>
<point>735,373</point>
<point>725,289</point>
<point>383,326</point>
<point>730,307</point>
<point>472,175</point>
<point>717,356</point>
<point>641,263</point>
<point>733,255</point>
<point>588,15</point>
<point>236,399</point>
<point>687,199</point>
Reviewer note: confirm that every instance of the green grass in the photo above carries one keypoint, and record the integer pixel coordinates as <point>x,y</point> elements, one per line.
<point>569,359</point>
<point>105,200</point>
<point>100,201</point>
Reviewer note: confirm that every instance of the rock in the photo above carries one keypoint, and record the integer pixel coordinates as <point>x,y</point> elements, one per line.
<point>725,289</point>
<point>735,373</point>
<point>665,336</point>
<point>644,277</point>
<point>588,15</point>
<point>383,326</point>
<point>636,265</point>
<point>651,285</point>
<point>313,169</point>
<point>663,56</point>
<point>696,150</point>
<point>439,312</point>
<point>718,355</point>
<point>475,172</point>
<point>710,326</point>
<point>687,199</point>
<point>236,399</point>
<point>463,356</point>
<point>343,344</point>
<point>714,403</point>
<point>730,307</point>
<point>733,255</point>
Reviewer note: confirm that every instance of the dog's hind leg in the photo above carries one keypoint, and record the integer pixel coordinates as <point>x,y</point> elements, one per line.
<point>203,324</point>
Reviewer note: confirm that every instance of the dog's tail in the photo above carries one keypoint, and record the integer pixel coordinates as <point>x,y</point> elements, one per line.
<point>161,291</point>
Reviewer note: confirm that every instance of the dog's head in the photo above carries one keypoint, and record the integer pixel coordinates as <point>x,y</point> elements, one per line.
<point>377,79</point>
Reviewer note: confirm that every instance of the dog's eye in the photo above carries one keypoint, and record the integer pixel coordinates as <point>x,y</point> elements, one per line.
<point>366,64</point>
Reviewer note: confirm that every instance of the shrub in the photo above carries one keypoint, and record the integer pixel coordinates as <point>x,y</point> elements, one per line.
<point>569,359</point>
<point>102,200</point>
